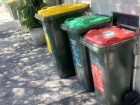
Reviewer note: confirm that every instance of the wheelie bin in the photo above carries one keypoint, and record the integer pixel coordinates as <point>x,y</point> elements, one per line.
<point>111,56</point>
<point>76,28</point>
<point>52,18</point>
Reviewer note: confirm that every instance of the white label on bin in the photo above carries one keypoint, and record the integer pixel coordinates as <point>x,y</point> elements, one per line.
<point>87,16</point>
<point>108,33</point>
<point>95,60</point>
<point>75,53</point>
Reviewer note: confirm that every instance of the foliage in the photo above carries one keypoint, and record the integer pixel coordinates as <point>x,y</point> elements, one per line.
<point>3,2</point>
<point>27,10</point>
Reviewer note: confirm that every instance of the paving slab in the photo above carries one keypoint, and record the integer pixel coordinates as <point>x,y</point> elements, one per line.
<point>86,98</point>
<point>59,89</point>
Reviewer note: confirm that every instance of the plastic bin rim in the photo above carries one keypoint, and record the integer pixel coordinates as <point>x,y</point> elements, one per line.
<point>77,29</point>
<point>114,44</point>
<point>85,6</point>
<point>42,18</point>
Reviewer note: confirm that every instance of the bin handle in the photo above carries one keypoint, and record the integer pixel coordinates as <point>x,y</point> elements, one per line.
<point>88,22</point>
<point>44,8</point>
<point>132,28</point>
<point>69,19</point>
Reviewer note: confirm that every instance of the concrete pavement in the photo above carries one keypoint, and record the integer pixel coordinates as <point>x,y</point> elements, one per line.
<point>27,75</point>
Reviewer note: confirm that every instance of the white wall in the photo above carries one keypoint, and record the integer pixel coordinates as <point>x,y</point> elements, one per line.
<point>106,7</point>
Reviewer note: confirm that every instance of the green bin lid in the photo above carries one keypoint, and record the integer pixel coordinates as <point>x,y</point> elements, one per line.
<point>85,21</point>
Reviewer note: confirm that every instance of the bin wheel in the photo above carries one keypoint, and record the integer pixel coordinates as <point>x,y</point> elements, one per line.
<point>131,98</point>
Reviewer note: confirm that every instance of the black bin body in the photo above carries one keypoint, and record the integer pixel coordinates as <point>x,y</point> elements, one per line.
<point>59,41</point>
<point>112,68</point>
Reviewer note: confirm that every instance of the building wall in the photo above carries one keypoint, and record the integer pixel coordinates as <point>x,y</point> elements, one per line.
<point>107,7</point>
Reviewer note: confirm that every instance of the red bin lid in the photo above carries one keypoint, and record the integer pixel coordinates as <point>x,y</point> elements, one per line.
<point>108,36</point>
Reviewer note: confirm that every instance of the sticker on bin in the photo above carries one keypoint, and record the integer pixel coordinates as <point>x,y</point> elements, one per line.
<point>98,78</point>
<point>48,43</point>
<point>87,16</point>
<point>108,33</point>
<point>75,53</point>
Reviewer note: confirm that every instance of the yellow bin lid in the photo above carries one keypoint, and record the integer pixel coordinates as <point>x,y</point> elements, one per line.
<point>11,1</point>
<point>54,10</point>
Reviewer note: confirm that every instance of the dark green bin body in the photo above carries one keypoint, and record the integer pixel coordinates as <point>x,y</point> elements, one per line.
<point>82,67</point>
<point>59,41</point>
<point>116,63</point>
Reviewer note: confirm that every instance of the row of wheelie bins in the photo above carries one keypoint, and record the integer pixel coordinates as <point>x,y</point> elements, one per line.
<point>101,55</point>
